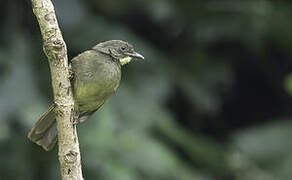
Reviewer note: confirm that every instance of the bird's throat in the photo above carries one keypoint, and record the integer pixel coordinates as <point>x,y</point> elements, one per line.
<point>125,60</point>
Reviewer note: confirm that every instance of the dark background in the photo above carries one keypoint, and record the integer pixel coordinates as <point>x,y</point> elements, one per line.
<point>212,100</point>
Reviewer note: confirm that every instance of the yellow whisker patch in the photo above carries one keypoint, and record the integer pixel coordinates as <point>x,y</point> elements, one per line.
<point>125,60</point>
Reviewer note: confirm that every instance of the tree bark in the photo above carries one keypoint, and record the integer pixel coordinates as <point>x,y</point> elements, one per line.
<point>56,52</point>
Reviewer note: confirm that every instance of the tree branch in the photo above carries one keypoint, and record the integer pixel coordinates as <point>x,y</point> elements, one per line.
<point>56,51</point>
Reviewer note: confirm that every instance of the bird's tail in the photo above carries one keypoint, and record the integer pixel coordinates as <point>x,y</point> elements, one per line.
<point>44,130</point>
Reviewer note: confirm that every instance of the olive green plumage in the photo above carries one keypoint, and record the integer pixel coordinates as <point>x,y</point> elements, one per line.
<point>96,75</point>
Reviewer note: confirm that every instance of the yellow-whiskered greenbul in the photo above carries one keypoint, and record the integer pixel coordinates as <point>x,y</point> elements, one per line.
<point>96,75</point>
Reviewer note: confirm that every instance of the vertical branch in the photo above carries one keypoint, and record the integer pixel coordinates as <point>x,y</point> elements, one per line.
<point>56,51</point>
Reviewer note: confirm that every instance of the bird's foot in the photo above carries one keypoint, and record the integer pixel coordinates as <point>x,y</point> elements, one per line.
<point>71,74</point>
<point>75,119</point>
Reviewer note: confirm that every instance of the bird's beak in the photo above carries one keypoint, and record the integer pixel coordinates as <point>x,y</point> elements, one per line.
<point>135,55</point>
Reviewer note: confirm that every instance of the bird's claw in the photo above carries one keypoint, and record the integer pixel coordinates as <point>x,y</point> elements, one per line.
<point>75,119</point>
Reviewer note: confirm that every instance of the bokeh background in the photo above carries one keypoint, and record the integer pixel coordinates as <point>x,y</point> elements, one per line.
<point>212,100</point>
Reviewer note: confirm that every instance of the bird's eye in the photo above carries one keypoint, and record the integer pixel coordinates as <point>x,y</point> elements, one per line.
<point>123,48</point>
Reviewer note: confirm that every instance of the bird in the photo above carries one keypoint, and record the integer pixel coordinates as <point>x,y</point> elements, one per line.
<point>95,76</point>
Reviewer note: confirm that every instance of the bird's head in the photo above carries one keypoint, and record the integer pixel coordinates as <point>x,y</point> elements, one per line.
<point>118,49</point>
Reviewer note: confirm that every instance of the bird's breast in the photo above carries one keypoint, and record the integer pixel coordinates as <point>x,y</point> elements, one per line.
<point>95,83</point>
